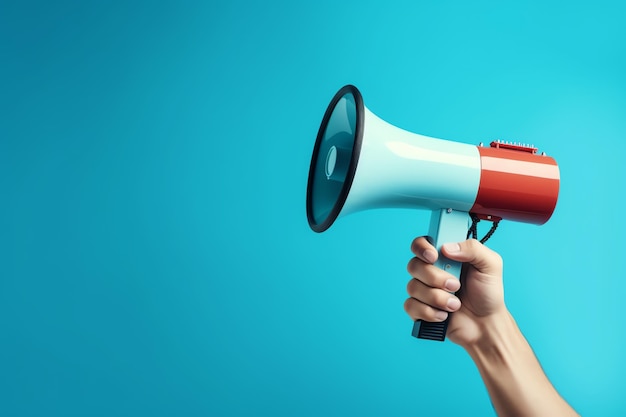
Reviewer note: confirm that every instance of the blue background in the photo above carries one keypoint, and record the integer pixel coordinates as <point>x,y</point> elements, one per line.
<point>155,257</point>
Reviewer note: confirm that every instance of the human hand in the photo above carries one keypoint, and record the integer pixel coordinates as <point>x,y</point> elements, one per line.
<point>479,299</point>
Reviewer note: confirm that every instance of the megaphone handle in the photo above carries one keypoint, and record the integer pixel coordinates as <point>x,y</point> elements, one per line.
<point>446,225</point>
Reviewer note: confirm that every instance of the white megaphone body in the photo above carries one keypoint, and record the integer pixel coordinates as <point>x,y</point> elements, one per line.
<point>361,162</point>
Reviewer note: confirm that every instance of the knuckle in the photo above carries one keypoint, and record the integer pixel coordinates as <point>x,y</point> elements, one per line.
<point>407,305</point>
<point>409,287</point>
<point>414,246</point>
<point>417,244</point>
<point>473,244</point>
<point>410,266</point>
<point>497,259</point>
<point>412,308</point>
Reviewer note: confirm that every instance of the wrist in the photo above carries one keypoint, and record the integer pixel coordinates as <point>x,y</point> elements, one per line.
<point>495,336</point>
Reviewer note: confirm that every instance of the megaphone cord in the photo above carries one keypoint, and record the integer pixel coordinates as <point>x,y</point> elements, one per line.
<point>473,230</point>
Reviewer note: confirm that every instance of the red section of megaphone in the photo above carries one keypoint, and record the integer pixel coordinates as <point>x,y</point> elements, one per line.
<point>516,185</point>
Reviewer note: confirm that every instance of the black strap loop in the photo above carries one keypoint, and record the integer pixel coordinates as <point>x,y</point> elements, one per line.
<point>473,230</point>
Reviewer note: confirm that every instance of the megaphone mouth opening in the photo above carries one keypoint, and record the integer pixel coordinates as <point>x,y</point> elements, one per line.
<point>335,158</point>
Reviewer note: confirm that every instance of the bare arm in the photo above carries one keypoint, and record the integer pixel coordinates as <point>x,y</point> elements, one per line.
<point>512,374</point>
<point>483,326</point>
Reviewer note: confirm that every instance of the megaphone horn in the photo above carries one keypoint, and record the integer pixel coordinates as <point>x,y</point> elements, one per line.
<point>361,162</point>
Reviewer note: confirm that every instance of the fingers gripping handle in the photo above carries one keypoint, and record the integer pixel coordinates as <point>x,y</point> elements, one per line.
<point>446,225</point>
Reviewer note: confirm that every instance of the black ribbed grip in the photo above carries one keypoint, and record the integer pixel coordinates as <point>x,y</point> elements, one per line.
<point>431,331</point>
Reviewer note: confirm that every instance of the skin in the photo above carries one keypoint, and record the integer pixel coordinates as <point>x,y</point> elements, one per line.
<point>482,325</point>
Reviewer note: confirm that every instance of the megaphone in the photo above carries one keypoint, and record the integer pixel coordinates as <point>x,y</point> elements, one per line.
<point>361,162</point>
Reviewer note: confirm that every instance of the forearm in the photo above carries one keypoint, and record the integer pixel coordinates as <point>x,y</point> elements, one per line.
<point>512,374</point>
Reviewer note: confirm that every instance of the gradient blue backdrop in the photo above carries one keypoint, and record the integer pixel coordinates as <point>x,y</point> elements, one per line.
<point>155,257</point>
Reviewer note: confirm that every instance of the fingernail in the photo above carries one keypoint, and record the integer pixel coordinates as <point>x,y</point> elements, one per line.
<point>452,247</point>
<point>453,303</point>
<point>452,285</point>
<point>441,315</point>
<point>430,255</point>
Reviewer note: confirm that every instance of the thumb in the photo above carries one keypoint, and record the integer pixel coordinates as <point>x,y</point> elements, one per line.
<point>475,253</point>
